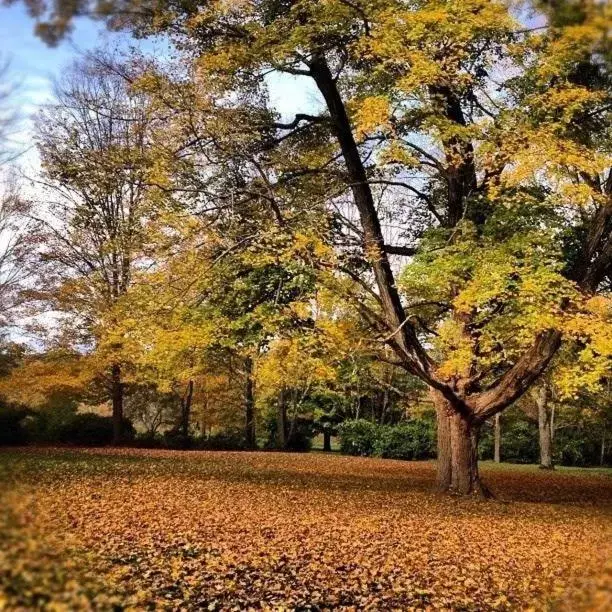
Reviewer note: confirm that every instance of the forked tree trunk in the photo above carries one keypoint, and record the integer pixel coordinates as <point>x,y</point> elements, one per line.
<point>497,449</point>
<point>545,428</point>
<point>457,452</point>
<point>117,400</point>
<point>249,405</point>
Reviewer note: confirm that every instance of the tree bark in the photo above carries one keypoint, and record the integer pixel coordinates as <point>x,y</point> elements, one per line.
<point>404,334</point>
<point>117,401</point>
<point>497,451</point>
<point>457,451</point>
<point>249,405</point>
<point>444,441</point>
<point>465,479</point>
<point>544,427</point>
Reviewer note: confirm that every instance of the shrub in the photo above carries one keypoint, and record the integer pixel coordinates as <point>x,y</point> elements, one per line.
<point>46,426</point>
<point>357,437</point>
<point>149,440</point>
<point>224,440</point>
<point>412,440</point>
<point>300,439</point>
<point>13,429</point>
<point>175,439</point>
<point>578,446</point>
<point>519,442</point>
<point>91,430</point>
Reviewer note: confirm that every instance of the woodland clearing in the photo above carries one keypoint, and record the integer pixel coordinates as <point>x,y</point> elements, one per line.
<point>135,529</point>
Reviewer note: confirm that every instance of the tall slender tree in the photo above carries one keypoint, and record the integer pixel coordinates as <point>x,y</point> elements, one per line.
<point>93,144</point>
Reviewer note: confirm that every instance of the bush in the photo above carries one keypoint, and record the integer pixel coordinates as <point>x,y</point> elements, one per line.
<point>357,437</point>
<point>46,426</point>
<point>92,430</point>
<point>175,439</point>
<point>578,446</point>
<point>13,429</point>
<point>225,440</point>
<point>149,440</point>
<point>231,440</point>
<point>412,440</point>
<point>519,444</point>
<point>300,440</point>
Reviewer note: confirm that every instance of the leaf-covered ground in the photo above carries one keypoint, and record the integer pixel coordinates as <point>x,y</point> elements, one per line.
<point>220,531</point>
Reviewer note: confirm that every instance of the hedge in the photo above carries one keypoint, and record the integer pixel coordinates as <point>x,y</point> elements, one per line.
<point>411,440</point>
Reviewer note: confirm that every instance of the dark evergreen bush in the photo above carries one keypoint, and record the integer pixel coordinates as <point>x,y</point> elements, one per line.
<point>13,427</point>
<point>225,440</point>
<point>411,440</point>
<point>91,430</point>
<point>357,437</point>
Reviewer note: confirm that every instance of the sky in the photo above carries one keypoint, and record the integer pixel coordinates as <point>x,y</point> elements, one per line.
<point>33,67</point>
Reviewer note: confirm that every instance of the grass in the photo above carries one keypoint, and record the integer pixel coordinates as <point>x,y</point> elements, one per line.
<point>136,529</point>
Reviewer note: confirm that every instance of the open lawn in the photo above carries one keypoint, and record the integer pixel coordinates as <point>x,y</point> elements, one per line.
<point>108,529</point>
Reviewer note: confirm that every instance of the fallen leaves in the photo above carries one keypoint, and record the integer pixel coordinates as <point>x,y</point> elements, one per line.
<point>222,531</point>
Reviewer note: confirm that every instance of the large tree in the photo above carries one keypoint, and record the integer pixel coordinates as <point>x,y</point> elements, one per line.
<point>467,131</point>
<point>93,143</point>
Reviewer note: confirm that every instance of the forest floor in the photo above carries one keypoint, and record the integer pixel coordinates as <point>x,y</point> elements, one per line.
<point>138,529</point>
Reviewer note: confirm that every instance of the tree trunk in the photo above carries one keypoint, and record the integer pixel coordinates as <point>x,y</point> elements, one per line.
<point>602,458</point>
<point>444,441</point>
<point>294,416</point>
<point>117,400</point>
<point>457,452</point>
<point>385,404</point>
<point>249,405</point>
<point>327,439</point>
<point>186,410</point>
<point>465,479</point>
<point>545,429</point>
<point>281,420</point>
<point>497,452</point>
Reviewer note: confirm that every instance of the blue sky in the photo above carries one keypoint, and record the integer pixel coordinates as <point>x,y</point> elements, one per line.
<point>34,66</point>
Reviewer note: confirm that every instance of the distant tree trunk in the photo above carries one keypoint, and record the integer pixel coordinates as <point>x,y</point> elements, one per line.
<point>602,457</point>
<point>457,451</point>
<point>327,439</point>
<point>281,420</point>
<point>186,410</point>
<point>544,427</point>
<point>497,452</point>
<point>294,415</point>
<point>385,404</point>
<point>117,400</point>
<point>249,404</point>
